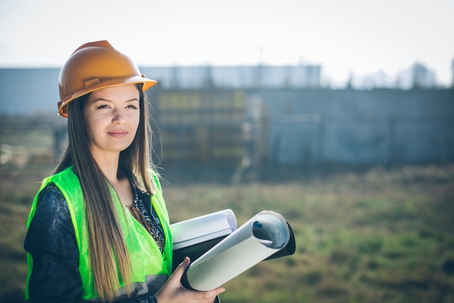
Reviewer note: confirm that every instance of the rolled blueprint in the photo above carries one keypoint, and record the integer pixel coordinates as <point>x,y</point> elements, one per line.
<point>263,235</point>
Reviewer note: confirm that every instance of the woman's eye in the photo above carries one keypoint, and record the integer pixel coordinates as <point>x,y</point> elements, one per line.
<point>102,106</point>
<point>131,106</point>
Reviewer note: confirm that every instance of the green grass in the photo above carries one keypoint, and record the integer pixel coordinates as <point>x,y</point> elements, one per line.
<point>17,188</point>
<point>378,235</point>
<point>375,236</point>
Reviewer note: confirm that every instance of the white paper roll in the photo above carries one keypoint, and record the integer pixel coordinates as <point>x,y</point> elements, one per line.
<point>260,237</point>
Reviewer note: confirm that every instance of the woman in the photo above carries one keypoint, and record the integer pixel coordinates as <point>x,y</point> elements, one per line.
<point>98,229</point>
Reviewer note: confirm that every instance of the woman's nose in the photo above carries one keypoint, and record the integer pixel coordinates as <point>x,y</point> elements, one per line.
<point>119,116</point>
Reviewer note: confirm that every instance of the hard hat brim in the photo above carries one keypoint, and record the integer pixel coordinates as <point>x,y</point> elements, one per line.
<point>147,83</point>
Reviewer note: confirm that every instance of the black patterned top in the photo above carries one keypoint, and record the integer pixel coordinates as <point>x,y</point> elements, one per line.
<point>151,222</point>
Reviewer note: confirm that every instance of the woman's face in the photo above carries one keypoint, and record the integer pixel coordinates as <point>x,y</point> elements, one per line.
<point>112,116</point>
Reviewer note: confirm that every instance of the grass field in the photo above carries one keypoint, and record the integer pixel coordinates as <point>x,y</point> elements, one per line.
<point>375,235</point>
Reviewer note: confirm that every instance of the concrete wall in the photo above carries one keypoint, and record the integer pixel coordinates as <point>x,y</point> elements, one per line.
<point>309,127</point>
<point>28,90</point>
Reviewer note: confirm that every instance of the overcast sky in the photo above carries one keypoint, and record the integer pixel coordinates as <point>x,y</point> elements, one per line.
<point>342,36</point>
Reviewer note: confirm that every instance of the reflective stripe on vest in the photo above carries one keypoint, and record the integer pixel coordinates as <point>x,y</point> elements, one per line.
<point>149,268</point>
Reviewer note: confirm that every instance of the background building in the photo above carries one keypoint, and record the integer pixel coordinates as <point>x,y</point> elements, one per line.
<point>252,116</point>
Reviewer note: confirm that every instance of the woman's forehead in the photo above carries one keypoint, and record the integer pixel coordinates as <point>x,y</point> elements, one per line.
<point>113,93</point>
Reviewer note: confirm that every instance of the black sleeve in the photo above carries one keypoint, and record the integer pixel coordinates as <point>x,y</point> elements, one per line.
<point>51,241</point>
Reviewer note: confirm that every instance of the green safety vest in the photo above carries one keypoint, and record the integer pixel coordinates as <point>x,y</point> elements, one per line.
<point>150,268</point>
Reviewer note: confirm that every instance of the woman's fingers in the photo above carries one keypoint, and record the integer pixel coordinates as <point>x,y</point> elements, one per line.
<point>174,292</point>
<point>182,268</point>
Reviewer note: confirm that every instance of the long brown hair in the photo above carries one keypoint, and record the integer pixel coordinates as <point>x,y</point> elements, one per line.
<point>108,252</point>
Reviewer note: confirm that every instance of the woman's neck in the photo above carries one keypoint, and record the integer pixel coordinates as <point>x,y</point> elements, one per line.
<point>108,163</point>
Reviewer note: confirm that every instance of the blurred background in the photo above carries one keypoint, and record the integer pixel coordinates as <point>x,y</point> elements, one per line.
<point>337,114</point>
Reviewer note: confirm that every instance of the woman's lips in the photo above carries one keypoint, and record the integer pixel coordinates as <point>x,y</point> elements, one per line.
<point>118,133</point>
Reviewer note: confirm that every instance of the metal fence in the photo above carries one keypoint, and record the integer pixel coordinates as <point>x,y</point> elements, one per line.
<point>251,128</point>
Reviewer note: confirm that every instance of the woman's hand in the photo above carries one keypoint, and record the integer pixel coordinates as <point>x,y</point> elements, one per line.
<point>174,292</point>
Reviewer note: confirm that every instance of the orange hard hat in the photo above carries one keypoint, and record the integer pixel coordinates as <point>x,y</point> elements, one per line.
<point>93,66</point>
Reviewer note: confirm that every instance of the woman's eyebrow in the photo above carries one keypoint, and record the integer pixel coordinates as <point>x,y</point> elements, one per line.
<point>132,100</point>
<point>108,100</point>
<point>101,99</point>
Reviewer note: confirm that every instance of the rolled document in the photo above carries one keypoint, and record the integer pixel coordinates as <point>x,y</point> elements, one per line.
<point>263,235</point>
<point>194,237</point>
<point>203,228</point>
